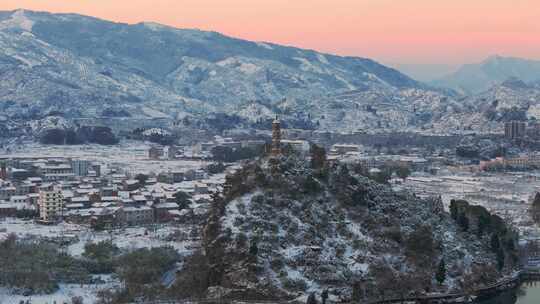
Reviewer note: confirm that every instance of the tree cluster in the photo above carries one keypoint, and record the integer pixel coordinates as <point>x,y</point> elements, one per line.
<point>82,135</point>
<point>476,219</point>
<point>229,155</point>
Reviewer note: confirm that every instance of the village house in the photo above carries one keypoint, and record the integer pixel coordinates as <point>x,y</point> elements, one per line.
<point>7,209</point>
<point>19,200</point>
<point>162,211</point>
<point>134,216</point>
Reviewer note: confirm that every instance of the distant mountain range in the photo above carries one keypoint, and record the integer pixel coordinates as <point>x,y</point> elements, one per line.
<point>476,78</point>
<point>82,66</point>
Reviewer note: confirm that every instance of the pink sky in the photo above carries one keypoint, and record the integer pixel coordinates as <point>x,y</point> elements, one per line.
<point>401,31</point>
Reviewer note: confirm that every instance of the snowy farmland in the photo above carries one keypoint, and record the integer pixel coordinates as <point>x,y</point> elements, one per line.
<point>77,236</point>
<point>506,194</point>
<point>65,293</point>
<point>128,238</point>
<point>131,156</point>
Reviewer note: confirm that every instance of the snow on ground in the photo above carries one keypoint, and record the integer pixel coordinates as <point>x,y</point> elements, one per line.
<point>128,238</point>
<point>131,156</point>
<point>309,66</point>
<point>506,194</point>
<point>17,20</point>
<point>234,212</point>
<point>64,294</point>
<point>264,45</point>
<point>322,59</point>
<point>153,113</point>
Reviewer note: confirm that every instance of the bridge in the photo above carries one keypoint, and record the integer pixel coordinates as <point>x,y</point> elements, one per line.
<point>460,297</point>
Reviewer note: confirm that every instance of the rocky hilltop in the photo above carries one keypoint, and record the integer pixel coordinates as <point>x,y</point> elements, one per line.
<point>286,230</point>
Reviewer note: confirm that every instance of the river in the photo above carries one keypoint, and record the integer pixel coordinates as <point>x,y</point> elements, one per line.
<point>528,293</point>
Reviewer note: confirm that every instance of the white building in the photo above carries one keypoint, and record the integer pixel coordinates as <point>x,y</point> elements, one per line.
<point>301,146</point>
<point>50,205</point>
<point>344,149</point>
<point>19,199</point>
<point>80,167</point>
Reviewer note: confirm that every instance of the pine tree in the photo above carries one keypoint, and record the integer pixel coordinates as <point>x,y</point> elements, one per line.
<point>318,156</point>
<point>453,210</point>
<point>494,242</point>
<point>500,259</point>
<point>463,221</point>
<point>254,248</point>
<point>311,299</point>
<point>440,276</point>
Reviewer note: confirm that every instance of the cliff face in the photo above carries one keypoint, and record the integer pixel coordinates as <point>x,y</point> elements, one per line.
<point>286,232</point>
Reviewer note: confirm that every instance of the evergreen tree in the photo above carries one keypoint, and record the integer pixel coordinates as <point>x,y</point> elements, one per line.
<point>463,222</point>
<point>324,296</point>
<point>311,299</point>
<point>494,243</point>
<point>253,248</point>
<point>536,202</point>
<point>403,172</point>
<point>141,178</point>
<point>318,156</point>
<point>453,210</point>
<point>500,259</point>
<point>441,272</point>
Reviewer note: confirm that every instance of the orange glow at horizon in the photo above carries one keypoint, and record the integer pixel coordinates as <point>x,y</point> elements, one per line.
<point>401,31</point>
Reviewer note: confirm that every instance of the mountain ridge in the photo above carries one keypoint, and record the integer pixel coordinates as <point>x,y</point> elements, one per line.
<point>84,60</point>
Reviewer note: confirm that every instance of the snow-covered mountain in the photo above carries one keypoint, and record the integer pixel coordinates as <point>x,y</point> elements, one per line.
<point>475,78</point>
<point>513,99</point>
<point>86,67</point>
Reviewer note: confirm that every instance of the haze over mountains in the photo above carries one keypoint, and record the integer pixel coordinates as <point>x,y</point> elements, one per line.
<point>86,67</point>
<point>475,78</point>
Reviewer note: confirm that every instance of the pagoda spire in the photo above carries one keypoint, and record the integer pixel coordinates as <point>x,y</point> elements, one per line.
<point>276,137</point>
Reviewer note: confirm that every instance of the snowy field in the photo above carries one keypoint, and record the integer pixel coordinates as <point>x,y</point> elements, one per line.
<point>131,156</point>
<point>64,294</point>
<point>128,238</point>
<point>509,195</point>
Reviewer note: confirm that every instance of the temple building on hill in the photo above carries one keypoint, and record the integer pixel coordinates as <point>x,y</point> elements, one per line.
<point>276,138</point>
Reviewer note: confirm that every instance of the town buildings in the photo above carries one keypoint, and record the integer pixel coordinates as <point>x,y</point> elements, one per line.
<point>520,162</point>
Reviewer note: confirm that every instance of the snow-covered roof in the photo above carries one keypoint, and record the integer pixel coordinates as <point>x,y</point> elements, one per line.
<point>166,206</point>
<point>19,197</point>
<point>135,209</point>
<point>80,199</point>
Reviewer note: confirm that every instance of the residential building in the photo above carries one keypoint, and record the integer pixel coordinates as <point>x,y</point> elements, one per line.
<point>7,209</point>
<point>51,204</point>
<point>142,215</point>
<point>3,171</point>
<point>19,199</point>
<point>344,149</point>
<point>80,167</point>
<point>155,152</point>
<point>162,211</point>
<point>301,146</point>
<point>515,129</point>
